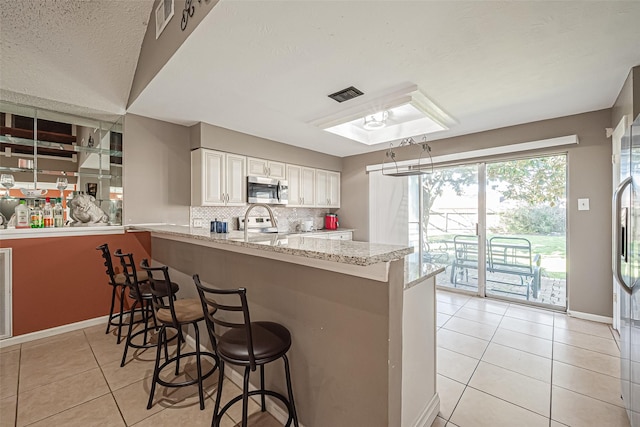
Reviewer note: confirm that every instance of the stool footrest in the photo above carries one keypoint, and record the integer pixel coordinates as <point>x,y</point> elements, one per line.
<point>259,392</point>
<point>189,382</point>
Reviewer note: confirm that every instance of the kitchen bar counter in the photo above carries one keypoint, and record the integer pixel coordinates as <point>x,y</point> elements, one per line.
<point>362,325</point>
<point>359,259</point>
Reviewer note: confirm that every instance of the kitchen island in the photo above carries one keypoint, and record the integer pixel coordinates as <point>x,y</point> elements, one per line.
<point>362,325</point>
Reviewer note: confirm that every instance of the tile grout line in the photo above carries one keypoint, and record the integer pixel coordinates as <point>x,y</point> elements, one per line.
<point>474,370</point>
<point>71,407</point>
<point>105,378</point>
<point>15,421</point>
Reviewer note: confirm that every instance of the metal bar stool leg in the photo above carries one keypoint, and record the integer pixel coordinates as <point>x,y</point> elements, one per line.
<point>264,408</point>
<point>122,295</point>
<point>216,408</point>
<point>199,366</point>
<point>290,390</point>
<point>162,339</point>
<point>245,396</point>
<point>128,341</point>
<point>113,300</point>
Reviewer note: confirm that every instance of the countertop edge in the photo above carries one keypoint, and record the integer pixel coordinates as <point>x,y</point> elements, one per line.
<point>39,233</point>
<point>393,254</point>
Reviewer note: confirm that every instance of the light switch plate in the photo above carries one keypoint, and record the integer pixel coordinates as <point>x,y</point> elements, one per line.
<point>583,204</point>
<point>197,223</point>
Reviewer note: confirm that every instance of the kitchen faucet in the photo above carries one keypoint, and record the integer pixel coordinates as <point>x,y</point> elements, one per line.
<point>274,223</point>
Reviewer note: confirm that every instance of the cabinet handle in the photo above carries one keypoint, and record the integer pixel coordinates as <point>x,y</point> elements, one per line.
<point>302,200</point>
<point>269,171</point>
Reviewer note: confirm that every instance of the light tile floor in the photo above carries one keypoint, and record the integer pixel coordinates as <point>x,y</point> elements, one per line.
<point>499,364</point>
<point>75,379</point>
<point>503,364</point>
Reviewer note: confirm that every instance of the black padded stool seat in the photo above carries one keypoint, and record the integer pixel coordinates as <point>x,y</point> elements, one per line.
<point>244,343</point>
<point>118,282</point>
<point>270,341</point>
<point>175,314</point>
<point>142,296</point>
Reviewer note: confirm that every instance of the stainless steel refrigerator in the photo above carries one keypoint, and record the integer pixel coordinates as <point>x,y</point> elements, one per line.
<point>626,268</point>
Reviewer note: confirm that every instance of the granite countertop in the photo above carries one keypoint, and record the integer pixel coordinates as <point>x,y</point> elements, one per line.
<point>415,272</point>
<point>317,247</point>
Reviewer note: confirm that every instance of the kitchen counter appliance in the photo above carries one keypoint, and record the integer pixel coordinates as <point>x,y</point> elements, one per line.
<point>331,222</point>
<point>267,190</point>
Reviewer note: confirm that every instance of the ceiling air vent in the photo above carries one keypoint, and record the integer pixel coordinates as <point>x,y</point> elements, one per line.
<point>346,94</point>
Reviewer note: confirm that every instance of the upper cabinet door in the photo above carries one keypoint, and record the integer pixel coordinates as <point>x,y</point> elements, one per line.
<point>257,167</point>
<point>261,167</point>
<point>308,186</point>
<point>295,185</point>
<point>207,178</point>
<point>334,189</point>
<point>236,179</point>
<point>277,170</point>
<point>322,189</point>
<point>327,189</point>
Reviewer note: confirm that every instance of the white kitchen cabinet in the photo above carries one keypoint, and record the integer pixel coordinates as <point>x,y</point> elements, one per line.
<point>267,168</point>
<point>327,189</point>
<point>217,178</point>
<point>301,186</point>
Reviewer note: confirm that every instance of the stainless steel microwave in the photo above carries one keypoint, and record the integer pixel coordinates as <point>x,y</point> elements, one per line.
<point>267,190</point>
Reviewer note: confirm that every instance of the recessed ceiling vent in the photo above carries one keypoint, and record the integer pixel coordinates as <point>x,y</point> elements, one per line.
<point>346,94</point>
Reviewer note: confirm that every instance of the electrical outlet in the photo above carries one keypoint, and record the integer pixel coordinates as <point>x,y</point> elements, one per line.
<point>583,204</point>
<point>197,222</point>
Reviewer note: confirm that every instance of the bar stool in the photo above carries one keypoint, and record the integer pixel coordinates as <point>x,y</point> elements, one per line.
<point>175,314</point>
<point>118,283</point>
<point>141,295</point>
<point>247,344</point>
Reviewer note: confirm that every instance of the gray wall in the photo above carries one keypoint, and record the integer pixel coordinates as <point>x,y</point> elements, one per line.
<point>218,138</point>
<point>155,53</point>
<point>589,176</point>
<point>156,172</point>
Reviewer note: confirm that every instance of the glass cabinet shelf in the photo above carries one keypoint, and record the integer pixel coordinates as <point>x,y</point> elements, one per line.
<point>7,139</point>
<point>59,173</point>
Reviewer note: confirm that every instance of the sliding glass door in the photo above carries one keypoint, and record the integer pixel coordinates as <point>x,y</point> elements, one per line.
<point>499,228</point>
<point>526,229</point>
<point>449,224</point>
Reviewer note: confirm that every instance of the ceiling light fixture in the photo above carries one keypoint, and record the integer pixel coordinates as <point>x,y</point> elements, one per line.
<point>376,121</point>
<point>408,170</point>
<point>385,116</point>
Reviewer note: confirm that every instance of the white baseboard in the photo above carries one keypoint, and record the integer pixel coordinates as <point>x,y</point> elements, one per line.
<point>429,413</point>
<point>235,377</point>
<point>53,331</point>
<point>592,317</point>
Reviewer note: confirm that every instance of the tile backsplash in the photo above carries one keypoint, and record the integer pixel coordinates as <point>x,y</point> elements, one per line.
<point>288,218</point>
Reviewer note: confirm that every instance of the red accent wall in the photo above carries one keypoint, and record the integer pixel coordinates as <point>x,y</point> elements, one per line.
<point>62,280</point>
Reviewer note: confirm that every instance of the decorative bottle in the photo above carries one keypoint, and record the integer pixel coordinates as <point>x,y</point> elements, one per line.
<point>47,214</point>
<point>58,213</point>
<point>36,216</point>
<point>22,215</point>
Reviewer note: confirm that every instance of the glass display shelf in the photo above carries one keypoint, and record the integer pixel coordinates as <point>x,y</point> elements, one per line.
<point>60,173</point>
<point>7,139</point>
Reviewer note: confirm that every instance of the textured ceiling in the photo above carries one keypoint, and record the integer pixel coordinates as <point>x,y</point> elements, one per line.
<point>266,68</point>
<point>71,52</point>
